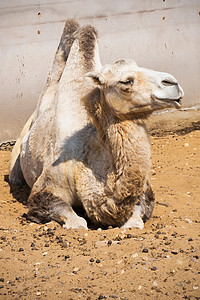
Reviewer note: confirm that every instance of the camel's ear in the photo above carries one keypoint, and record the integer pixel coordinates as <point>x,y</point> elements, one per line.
<point>96,78</point>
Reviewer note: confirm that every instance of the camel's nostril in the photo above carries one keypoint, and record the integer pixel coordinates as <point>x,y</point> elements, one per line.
<point>169,82</point>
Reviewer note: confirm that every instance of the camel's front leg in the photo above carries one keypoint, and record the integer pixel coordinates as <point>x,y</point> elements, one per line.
<point>47,205</point>
<point>142,210</point>
<point>135,221</point>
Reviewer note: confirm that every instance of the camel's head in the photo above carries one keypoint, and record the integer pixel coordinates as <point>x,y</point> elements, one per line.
<point>130,90</point>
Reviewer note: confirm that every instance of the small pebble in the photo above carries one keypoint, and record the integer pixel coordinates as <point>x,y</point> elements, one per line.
<point>105,273</point>
<point>174,252</point>
<point>98,261</point>
<point>153,268</point>
<point>190,240</point>
<point>109,242</point>
<point>66,257</point>
<point>134,255</point>
<point>21,249</point>
<point>1,279</point>
<point>155,283</point>
<point>145,250</point>
<point>91,259</point>
<point>129,236</point>
<point>75,270</point>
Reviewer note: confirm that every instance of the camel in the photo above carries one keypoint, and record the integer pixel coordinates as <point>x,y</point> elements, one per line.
<point>87,145</point>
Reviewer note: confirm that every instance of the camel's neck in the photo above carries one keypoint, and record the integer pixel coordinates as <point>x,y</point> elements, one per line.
<point>129,148</point>
<point>130,152</point>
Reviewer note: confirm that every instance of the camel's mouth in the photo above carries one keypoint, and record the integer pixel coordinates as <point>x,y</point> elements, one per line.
<point>177,103</point>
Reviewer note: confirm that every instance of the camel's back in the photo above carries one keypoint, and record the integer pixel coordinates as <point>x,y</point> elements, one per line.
<point>63,116</point>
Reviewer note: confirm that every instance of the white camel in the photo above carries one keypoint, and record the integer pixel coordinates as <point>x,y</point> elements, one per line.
<point>87,145</point>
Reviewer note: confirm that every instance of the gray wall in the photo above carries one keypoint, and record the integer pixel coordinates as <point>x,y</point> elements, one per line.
<point>159,34</point>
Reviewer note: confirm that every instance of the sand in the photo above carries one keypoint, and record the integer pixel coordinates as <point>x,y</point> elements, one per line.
<point>159,262</point>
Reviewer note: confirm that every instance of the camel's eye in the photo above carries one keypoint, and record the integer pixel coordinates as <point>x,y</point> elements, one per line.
<point>127,82</point>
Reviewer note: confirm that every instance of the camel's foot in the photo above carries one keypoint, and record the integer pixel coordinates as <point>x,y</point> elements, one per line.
<point>135,221</point>
<point>75,222</point>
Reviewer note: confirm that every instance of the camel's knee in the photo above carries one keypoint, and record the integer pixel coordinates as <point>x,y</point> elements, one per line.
<point>45,206</point>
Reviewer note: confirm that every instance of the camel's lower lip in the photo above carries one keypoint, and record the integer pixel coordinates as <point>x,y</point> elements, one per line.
<point>175,102</point>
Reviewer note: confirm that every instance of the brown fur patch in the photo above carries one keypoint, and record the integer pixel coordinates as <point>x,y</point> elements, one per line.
<point>42,207</point>
<point>68,37</point>
<point>147,201</point>
<point>87,37</point>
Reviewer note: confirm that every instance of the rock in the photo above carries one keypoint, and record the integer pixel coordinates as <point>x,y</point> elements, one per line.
<point>145,250</point>
<point>75,270</point>
<point>195,287</point>
<point>101,243</point>
<point>174,252</point>
<point>134,255</point>
<point>129,236</point>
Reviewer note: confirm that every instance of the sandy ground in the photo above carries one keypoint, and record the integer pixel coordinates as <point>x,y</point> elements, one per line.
<point>159,262</point>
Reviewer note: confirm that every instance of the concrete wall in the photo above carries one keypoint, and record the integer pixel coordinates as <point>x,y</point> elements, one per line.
<point>159,34</point>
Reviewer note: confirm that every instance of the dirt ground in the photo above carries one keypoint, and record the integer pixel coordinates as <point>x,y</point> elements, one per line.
<point>159,262</point>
